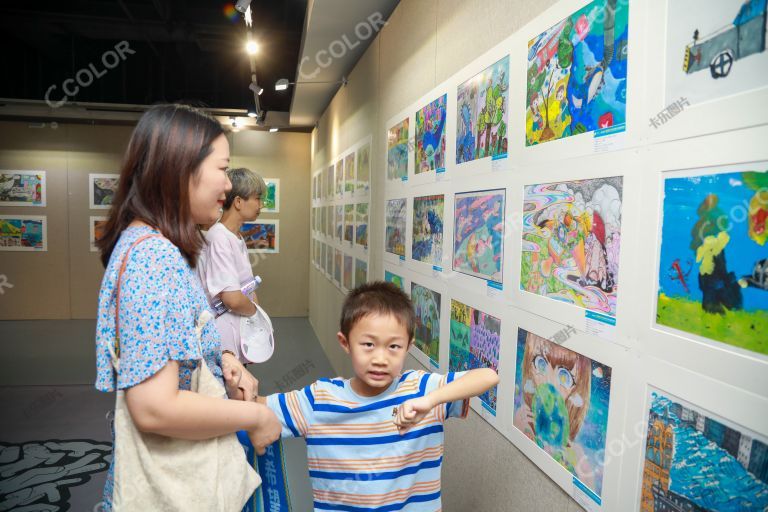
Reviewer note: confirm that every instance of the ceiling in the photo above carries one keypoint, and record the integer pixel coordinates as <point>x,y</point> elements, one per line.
<point>126,54</point>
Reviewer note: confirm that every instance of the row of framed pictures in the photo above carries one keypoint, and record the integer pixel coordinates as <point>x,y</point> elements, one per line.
<point>28,188</point>
<point>344,268</point>
<point>342,222</point>
<point>346,176</point>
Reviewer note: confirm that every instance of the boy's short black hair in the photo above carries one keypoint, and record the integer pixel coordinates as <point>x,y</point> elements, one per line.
<point>380,298</point>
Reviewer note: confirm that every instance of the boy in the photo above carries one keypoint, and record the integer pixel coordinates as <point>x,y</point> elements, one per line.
<point>375,442</point>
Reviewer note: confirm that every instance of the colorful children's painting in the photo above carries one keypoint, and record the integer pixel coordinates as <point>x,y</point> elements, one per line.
<point>397,151</point>
<point>474,343</point>
<point>696,461</point>
<point>571,237</point>
<point>22,188</point>
<point>361,222</point>
<point>364,167</point>
<point>349,269</point>
<point>478,242</point>
<point>337,263</point>
<point>483,114</point>
<point>349,223</point>
<point>715,49</point>
<point>96,228</point>
<point>23,233</point>
<point>361,272</point>
<point>561,404</point>
<point>329,261</point>
<point>270,201</point>
<point>101,190</point>
<point>339,217</point>
<point>339,176</point>
<point>349,173</point>
<point>426,305</point>
<point>329,222</point>
<point>428,213</point>
<point>395,228</point>
<point>262,236</point>
<point>394,279</point>
<point>577,74</point>
<point>430,137</point>
<point>329,181</point>
<point>713,263</point>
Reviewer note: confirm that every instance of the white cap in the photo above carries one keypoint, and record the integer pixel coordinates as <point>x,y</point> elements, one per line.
<point>257,340</point>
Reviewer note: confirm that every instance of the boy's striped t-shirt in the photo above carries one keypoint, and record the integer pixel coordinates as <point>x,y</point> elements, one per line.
<point>357,459</point>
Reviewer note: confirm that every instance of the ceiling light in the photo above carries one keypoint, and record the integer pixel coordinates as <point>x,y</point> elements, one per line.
<point>233,120</point>
<point>252,113</point>
<point>252,47</point>
<point>242,5</point>
<point>273,130</point>
<point>256,88</point>
<point>282,84</point>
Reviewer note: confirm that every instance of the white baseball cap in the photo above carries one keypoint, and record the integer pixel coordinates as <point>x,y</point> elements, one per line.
<point>257,340</point>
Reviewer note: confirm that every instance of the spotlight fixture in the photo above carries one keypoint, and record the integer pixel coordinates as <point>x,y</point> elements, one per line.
<point>234,122</point>
<point>242,5</point>
<point>256,88</point>
<point>252,47</point>
<point>252,113</point>
<point>273,130</point>
<point>283,83</point>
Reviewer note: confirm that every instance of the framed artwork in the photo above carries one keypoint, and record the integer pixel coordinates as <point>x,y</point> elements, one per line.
<point>262,236</point>
<point>101,190</point>
<point>27,233</point>
<point>22,188</point>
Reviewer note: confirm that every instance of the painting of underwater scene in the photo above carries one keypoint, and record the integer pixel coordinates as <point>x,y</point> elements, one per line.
<point>577,74</point>
<point>561,404</point>
<point>478,241</point>
<point>475,339</point>
<point>426,305</point>
<point>571,241</point>
<point>397,151</point>
<point>428,212</point>
<point>483,114</point>
<point>430,136</point>
<point>713,261</point>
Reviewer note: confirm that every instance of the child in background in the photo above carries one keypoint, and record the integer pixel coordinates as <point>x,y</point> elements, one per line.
<point>376,441</point>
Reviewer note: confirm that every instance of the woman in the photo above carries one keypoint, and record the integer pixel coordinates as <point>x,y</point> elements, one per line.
<point>172,180</point>
<point>224,266</point>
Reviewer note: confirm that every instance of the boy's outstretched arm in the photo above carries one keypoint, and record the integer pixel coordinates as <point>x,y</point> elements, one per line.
<point>473,383</point>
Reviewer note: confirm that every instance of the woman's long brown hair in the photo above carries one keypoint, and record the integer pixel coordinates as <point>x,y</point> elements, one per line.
<point>164,154</point>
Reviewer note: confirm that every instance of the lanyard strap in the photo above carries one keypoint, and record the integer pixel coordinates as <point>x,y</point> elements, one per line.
<point>115,349</point>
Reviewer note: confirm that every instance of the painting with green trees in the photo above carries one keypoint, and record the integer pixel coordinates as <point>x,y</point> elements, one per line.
<point>713,263</point>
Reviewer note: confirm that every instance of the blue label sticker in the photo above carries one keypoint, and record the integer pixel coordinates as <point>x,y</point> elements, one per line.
<point>586,490</point>
<point>604,132</point>
<point>591,315</point>
<point>437,268</point>
<point>488,408</point>
<point>499,157</point>
<point>440,170</point>
<point>404,178</point>
<point>495,285</point>
<point>402,258</point>
<point>433,363</point>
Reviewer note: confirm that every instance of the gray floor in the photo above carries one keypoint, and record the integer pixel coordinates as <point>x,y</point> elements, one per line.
<point>54,439</point>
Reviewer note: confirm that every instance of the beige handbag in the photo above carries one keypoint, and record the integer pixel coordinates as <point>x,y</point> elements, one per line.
<point>159,473</point>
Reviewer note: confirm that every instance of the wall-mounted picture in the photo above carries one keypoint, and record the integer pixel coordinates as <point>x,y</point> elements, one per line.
<point>483,114</point>
<point>430,136</point>
<point>577,74</point>
<point>22,188</point>
<point>101,190</point>
<point>337,264</point>
<point>96,230</point>
<point>474,343</point>
<point>339,177</point>
<point>571,238</point>
<point>270,201</point>
<point>262,236</point>
<point>397,151</point>
<point>428,213</point>
<point>713,259</point>
<point>23,233</point>
<point>395,228</point>
<point>394,279</point>
<point>349,223</point>
<point>478,226</point>
<point>361,272</point>
<point>700,462</point>
<point>715,49</point>
<point>339,219</point>
<point>329,261</point>
<point>561,404</point>
<point>364,167</point>
<point>349,173</point>
<point>361,223</point>
<point>426,306</point>
<point>349,272</point>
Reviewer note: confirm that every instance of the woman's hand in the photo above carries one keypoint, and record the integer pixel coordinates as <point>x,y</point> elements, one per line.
<point>240,383</point>
<point>267,433</point>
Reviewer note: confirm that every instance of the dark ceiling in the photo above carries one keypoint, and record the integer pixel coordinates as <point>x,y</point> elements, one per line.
<point>183,51</point>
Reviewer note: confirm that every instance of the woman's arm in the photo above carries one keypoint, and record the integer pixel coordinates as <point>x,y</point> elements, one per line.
<point>158,406</point>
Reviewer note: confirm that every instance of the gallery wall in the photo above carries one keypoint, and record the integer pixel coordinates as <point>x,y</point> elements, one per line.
<point>658,351</point>
<point>47,316</point>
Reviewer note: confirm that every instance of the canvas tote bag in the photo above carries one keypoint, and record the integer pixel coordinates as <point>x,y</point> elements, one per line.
<point>159,473</point>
